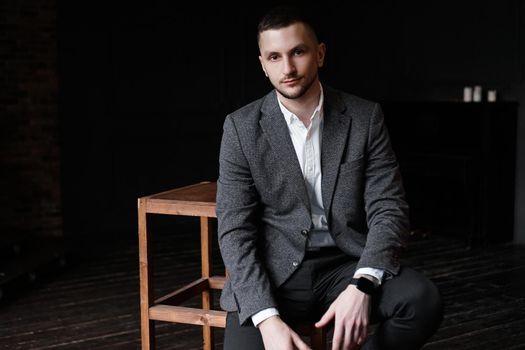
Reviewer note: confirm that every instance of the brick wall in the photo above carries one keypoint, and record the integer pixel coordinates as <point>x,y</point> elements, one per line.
<point>29,146</point>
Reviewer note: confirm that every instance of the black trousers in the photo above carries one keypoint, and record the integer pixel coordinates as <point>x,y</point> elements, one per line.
<point>407,308</point>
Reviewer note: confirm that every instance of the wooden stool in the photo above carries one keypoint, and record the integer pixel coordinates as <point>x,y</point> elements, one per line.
<point>194,200</point>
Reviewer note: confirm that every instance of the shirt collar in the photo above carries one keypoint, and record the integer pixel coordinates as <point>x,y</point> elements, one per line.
<point>289,116</point>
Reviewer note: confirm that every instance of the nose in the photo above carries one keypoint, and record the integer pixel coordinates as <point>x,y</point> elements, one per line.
<point>288,66</point>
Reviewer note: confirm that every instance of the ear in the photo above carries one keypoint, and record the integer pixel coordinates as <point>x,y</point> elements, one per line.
<point>262,65</point>
<point>321,50</point>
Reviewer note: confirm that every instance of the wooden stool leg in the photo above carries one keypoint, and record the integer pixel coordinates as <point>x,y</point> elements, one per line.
<point>207,331</point>
<point>207,296</point>
<point>147,326</point>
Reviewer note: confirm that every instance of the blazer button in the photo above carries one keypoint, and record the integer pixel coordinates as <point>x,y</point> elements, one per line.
<point>295,263</point>
<point>304,232</point>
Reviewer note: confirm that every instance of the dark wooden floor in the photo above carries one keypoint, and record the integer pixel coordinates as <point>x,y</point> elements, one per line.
<point>94,302</point>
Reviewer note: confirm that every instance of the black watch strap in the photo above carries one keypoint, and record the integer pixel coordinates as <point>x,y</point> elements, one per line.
<point>364,285</point>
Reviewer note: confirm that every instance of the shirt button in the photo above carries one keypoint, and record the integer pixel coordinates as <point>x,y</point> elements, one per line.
<point>304,232</point>
<point>295,264</point>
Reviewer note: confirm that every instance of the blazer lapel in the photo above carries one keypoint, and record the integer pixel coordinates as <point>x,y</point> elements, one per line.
<point>336,127</point>
<point>276,132</point>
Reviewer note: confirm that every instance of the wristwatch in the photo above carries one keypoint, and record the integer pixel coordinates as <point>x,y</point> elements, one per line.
<point>364,285</point>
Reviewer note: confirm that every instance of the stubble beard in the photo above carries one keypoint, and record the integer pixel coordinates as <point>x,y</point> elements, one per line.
<point>304,88</point>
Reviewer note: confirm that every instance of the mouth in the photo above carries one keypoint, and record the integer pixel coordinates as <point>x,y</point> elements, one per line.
<point>290,81</point>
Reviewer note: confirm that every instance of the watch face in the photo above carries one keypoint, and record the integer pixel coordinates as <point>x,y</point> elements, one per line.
<point>365,285</point>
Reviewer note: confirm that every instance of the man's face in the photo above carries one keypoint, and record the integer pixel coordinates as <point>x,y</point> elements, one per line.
<point>291,57</point>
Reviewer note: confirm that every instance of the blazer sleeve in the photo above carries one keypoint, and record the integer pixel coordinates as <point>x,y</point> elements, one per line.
<point>384,198</point>
<point>237,215</point>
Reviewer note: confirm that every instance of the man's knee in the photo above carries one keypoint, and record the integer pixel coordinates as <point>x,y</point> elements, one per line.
<point>423,301</point>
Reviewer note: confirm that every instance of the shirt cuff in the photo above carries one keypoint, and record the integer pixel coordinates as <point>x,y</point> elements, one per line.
<point>263,315</point>
<point>376,273</point>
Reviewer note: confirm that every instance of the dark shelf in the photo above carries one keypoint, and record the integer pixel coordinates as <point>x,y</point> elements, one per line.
<point>458,165</point>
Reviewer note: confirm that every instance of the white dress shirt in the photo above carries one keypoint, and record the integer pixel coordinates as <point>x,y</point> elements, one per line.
<point>307,144</point>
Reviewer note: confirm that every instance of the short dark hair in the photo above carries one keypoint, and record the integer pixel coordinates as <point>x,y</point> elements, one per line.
<point>284,15</point>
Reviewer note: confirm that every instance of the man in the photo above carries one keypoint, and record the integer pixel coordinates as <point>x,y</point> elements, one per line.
<point>311,211</point>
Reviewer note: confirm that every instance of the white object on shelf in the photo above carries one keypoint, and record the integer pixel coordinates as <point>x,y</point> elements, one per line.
<point>476,96</point>
<point>467,94</point>
<point>491,95</point>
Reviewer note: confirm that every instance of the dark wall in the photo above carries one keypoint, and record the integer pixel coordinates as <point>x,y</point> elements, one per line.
<point>30,195</point>
<point>144,90</point>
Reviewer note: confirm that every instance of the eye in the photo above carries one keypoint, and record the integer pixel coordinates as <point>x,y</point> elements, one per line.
<point>298,52</point>
<point>273,57</point>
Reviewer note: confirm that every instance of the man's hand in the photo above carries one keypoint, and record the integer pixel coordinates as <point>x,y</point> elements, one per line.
<point>351,311</point>
<point>277,335</point>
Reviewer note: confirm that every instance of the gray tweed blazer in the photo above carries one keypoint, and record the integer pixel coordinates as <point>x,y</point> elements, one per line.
<point>263,207</point>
